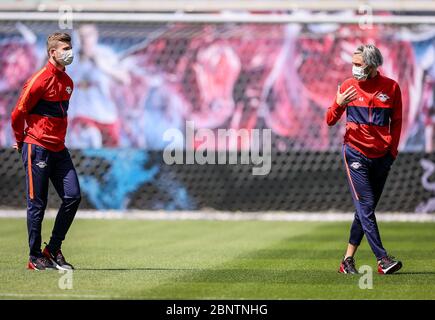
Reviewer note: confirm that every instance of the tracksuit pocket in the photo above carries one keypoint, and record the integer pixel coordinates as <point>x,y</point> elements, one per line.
<point>40,156</point>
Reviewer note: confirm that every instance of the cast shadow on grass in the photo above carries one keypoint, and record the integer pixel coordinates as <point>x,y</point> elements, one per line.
<point>412,273</point>
<point>138,269</point>
<point>232,275</point>
<point>229,269</point>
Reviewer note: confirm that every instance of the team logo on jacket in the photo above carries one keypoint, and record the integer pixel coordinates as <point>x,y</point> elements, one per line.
<point>356,165</point>
<point>68,89</point>
<point>383,97</point>
<point>41,164</point>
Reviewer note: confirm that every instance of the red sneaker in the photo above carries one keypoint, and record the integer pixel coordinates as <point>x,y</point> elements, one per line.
<point>388,265</point>
<point>58,259</point>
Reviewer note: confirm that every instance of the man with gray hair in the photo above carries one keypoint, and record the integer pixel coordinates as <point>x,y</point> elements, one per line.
<point>373,105</point>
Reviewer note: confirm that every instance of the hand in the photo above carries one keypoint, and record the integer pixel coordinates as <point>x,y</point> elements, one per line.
<point>18,147</point>
<point>347,96</point>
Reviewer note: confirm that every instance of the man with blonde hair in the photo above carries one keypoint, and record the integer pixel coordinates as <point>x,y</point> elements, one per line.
<point>39,122</point>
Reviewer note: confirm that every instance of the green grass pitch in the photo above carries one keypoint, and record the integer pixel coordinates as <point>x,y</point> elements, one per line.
<point>132,259</point>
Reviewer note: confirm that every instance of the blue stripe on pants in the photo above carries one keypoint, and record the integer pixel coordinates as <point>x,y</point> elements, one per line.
<point>44,166</point>
<point>366,177</point>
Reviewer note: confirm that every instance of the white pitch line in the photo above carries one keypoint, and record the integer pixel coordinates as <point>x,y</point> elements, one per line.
<point>29,295</point>
<point>226,215</point>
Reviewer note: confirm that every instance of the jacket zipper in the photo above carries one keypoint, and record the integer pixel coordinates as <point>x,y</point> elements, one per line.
<point>60,102</point>
<point>63,111</point>
<point>371,106</point>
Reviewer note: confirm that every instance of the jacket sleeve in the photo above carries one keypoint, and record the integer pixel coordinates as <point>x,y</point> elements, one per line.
<point>396,121</point>
<point>334,112</point>
<point>32,91</point>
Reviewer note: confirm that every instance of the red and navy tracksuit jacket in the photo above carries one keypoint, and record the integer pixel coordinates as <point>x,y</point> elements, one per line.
<point>39,122</point>
<point>374,119</point>
<point>43,106</point>
<point>373,127</point>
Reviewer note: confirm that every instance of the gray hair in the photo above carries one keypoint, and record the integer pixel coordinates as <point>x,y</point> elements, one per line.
<point>371,55</point>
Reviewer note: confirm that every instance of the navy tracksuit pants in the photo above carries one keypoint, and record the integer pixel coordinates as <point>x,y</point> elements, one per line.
<point>42,165</point>
<point>366,177</point>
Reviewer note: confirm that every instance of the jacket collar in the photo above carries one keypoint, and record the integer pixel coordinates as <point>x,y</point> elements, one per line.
<point>377,76</point>
<point>53,69</point>
<point>370,81</point>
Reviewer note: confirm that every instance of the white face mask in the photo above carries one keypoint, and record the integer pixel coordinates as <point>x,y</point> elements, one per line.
<point>359,73</point>
<point>66,57</point>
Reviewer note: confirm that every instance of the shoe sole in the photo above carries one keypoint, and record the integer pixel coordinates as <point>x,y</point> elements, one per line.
<point>393,269</point>
<point>56,266</point>
<point>343,271</point>
<point>346,272</point>
<point>67,268</point>
<point>32,267</point>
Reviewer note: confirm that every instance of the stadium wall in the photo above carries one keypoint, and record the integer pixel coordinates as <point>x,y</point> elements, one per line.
<point>280,76</point>
<point>298,181</point>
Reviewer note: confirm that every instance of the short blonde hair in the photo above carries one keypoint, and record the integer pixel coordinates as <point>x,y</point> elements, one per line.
<point>54,38</point>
